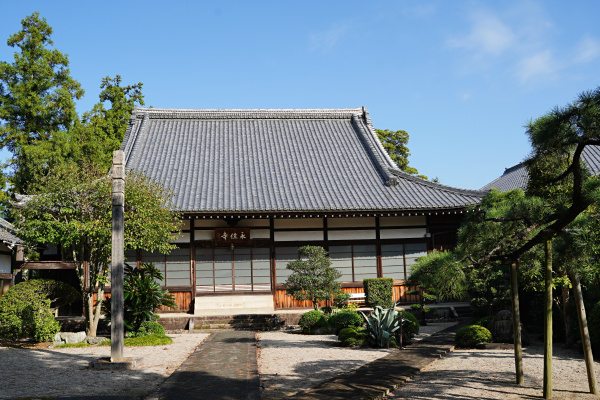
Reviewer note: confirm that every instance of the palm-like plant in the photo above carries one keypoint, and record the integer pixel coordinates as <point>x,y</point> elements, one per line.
<point>382,325</point>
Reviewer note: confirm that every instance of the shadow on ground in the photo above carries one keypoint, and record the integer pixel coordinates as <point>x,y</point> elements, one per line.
<point>67,375</point>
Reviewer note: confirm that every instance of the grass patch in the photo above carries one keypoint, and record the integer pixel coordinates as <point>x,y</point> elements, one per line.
<point>67,345</point>
<point>148,340</point>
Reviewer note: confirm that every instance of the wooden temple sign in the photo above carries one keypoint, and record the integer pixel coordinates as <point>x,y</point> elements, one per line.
<point>232,236</point>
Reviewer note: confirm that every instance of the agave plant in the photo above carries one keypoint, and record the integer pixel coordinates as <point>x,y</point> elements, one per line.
<point>381,325</point>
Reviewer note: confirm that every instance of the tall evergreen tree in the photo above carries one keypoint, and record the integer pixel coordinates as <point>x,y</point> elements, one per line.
<point>394,142</point>
<point>37,102</point>
<point>102,129</point>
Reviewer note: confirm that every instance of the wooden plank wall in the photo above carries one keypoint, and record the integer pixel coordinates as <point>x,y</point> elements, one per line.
<point>401,296</point>
<point>183,300</point>
<point>282,300</point>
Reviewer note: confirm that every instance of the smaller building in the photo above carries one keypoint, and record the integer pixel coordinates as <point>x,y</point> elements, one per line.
<point>9,245</point>
<point>517,176</point>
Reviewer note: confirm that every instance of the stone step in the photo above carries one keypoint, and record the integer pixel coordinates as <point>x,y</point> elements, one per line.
<point>231,311</point>
<point>233,305</point>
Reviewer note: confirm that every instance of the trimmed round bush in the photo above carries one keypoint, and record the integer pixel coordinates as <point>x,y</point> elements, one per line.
<point>151,328</point>
<point>340,299</point>
<point>468,336</point>
<point>312,320</point>
<point>25,310</point>
<point>409,328</point>
<point>344,319</point>
<point>326,310</point>
<point>483,321</point>
<point>352,336</point>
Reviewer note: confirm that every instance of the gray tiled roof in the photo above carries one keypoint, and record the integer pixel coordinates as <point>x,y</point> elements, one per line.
<point>518,176</point>
<point>7,233</point>
<point>512,178</point>
<point>277,160</point>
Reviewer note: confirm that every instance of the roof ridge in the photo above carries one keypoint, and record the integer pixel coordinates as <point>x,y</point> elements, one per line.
<point>375,136</point>
<point>133,130</point>
<point>247,113</point>
<point>514,167</point>
<point>374,148</point>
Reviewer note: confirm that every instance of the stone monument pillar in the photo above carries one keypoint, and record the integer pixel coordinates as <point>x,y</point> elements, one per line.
<point>117,330</point>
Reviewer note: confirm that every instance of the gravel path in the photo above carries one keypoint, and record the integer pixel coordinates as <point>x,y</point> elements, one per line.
<point>490,374</point>
<point>65,372</point>
<point>289,362</point>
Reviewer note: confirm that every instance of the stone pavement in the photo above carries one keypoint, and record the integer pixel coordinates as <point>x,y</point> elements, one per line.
<point>378,378</point>
<point>224,367</point>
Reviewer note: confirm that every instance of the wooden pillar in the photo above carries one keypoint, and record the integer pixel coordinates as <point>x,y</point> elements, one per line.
<point>514,291</point>
<point>117,330</point>
<point>585,334</point>
<point>548,322</point>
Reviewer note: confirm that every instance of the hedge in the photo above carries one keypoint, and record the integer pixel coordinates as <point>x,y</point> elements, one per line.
<point>379,292</point>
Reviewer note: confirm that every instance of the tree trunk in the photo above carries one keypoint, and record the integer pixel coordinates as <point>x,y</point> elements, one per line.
<point>423,322</point>
<point>90,326</point>
<point>92,313</point>
<point>567,322</point>
<point>548,323</point>
<point>585,334</point>
<point>514,294</point>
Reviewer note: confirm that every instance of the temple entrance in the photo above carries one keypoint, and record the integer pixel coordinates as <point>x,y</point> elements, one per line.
<point>237,270</point>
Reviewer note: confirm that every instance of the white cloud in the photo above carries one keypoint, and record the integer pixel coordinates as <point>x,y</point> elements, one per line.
<point>537,66</point>
<point>488,35</point>
<point>326,40</point>
<point>587,50</point>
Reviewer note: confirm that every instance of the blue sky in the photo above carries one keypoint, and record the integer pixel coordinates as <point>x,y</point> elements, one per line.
<point>461,77</point>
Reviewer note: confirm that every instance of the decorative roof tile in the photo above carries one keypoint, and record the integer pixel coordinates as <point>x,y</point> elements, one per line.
<point>277,161</point>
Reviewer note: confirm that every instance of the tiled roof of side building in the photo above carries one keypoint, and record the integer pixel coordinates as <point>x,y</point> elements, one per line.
<point>518,176</point>
<point>277,161</point>
<point>512,178</point>
<point>7,233</point>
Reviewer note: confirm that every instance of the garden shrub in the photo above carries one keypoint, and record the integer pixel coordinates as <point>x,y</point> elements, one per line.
<point>410,327</point>
<point>312,277</point>
<point>142,296</point>
<point>383,324</point>
<point>344,319</point>
<point>485,321</point>
<point>312,320</point>
<point>25,310</point>
<point>327,310</point>
<point>352,336</point>
<point>468,336</point>
<point>340,298</point>
<point>379,292</point>
<point>151,328</point>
